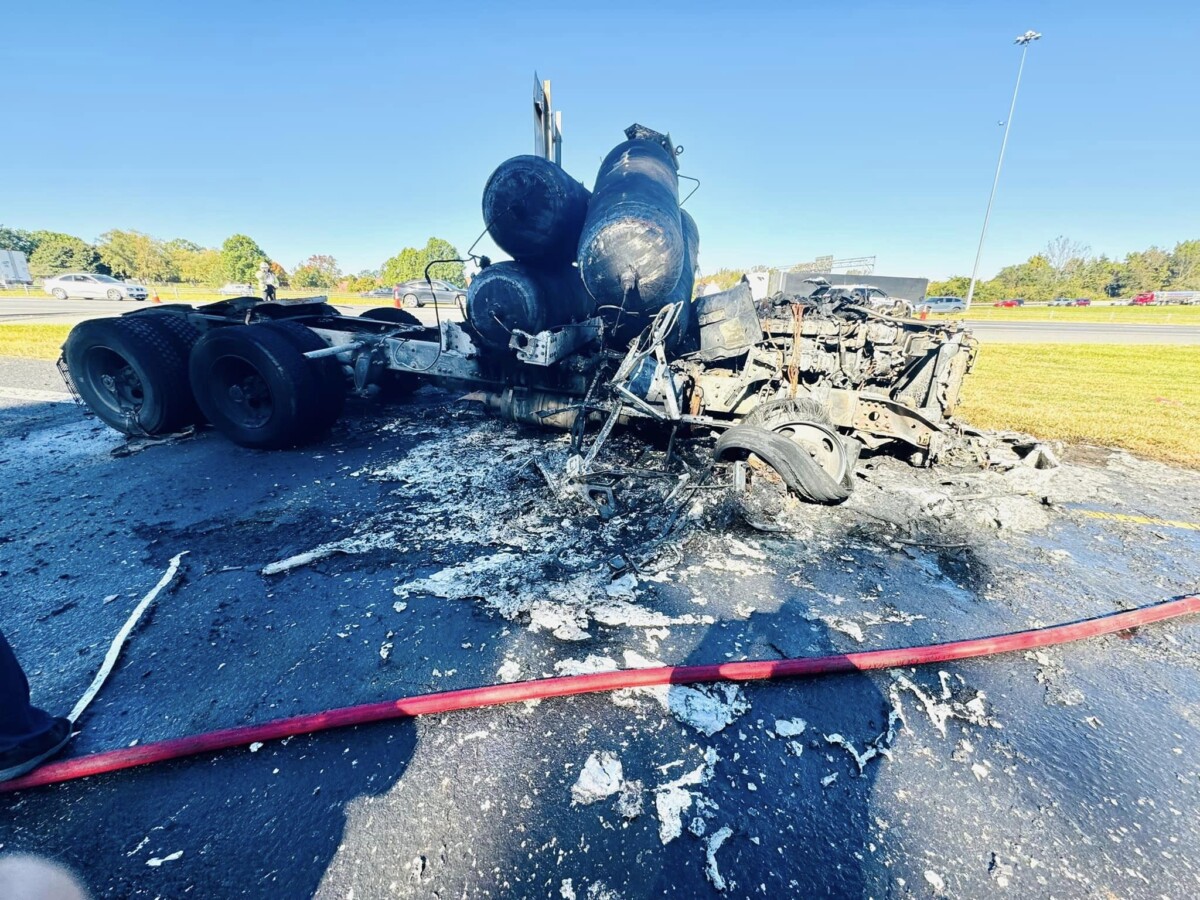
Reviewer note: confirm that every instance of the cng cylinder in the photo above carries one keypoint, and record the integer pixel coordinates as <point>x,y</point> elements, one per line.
<point>686,336</point>
<point>691,253</point>
<point>631,250</point>
<point>534,210</point>
<point>515,295</point>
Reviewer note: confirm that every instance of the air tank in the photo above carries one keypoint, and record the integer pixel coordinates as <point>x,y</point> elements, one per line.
<point>511,295</point>
<point>534,210</point>
<point>631,250</point>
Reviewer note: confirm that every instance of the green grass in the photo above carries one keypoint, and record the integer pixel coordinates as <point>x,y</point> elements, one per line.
<point>1142,397</point>
<point>1146,315</point>
<point>37,341</point>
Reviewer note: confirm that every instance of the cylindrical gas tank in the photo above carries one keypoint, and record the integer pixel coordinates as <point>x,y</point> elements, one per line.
<point>686,336</point>
<point>534,210</point>
<point>691,254</point>
<point>513,295</point>
<point>631,249</point>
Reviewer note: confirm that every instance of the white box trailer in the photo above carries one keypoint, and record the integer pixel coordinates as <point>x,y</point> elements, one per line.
<point>14,268</point>
<point>1177,297</point>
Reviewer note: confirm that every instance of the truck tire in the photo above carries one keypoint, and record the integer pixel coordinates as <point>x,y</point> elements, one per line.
<point>132,373</point>
<point>395,386</point>
<point>799,471</point>
<point>258,389</point>
<point>332,402</point>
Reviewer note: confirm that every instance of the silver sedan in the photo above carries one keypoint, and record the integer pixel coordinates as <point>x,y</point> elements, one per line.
<point>417,293</point>
<point>88,286</point>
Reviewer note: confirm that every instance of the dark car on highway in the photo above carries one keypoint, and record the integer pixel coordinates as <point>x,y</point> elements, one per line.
<point>417,293</point>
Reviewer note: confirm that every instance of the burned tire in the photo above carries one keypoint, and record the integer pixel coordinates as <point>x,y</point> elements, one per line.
<point>808,422</point>
<point>806,409</point>
<point>799,471</point>
<point>395,386</point>
<point>132,373</point>
<point>258,389</point>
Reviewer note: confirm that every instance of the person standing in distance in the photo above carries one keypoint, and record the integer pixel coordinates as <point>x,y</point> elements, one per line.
<point>267,282</point>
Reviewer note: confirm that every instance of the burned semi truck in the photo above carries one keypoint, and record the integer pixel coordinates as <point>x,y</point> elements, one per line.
<point>591,327</point>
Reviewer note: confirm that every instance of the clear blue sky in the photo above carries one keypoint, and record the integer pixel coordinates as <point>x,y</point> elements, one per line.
<point>847,128</point>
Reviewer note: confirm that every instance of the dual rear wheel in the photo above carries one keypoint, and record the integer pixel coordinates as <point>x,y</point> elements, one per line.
<point>155,374</point>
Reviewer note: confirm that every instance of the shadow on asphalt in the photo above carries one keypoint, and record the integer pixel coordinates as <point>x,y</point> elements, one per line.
<point>250,824</point>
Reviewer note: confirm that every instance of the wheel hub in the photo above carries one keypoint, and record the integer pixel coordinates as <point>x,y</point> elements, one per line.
<point>822,444</point>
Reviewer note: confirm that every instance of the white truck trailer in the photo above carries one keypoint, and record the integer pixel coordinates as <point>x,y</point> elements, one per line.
<point>14,268</point>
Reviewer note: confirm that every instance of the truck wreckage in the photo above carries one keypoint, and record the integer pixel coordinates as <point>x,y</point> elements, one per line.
<point>591,327</point>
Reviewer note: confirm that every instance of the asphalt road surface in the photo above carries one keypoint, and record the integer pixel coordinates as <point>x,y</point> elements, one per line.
<point>1071,772</point>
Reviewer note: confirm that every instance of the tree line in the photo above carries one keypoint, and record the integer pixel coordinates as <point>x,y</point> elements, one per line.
<point>1066,268</point>
<point>134,255</point>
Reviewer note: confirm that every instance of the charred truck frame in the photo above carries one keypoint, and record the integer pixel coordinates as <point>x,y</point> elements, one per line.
<point>591,326</point>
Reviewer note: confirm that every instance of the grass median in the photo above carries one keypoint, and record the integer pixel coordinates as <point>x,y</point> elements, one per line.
<point>1142,397</point>
<point>1115,315</point>
<point>36,341</point>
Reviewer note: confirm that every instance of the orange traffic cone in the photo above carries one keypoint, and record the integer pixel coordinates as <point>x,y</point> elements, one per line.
<point>155,299</point>
<point>396,298</point>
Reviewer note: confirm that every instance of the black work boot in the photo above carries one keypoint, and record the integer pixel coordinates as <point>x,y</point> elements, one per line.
<point>27,756</point>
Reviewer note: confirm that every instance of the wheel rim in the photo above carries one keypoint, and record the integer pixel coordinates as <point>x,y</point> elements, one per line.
<point>118,385</point>
<point>59,293</point>
<point>822,444</point>
<point>240,393</point>
<point>114,295</point>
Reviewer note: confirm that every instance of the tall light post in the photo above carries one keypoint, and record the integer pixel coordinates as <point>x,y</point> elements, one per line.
<point>1024,40</point>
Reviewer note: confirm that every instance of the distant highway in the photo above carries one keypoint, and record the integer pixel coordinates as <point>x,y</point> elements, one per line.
<point>13,310</point>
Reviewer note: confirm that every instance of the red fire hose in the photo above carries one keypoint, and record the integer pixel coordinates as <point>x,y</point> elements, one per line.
<point>494,695</point>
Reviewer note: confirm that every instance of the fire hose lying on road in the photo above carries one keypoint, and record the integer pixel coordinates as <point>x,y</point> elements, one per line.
<point>542,689</point>
<point>593,323</point>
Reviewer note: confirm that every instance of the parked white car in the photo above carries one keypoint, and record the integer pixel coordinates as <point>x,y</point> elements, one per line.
<point>84,285</point>
<point>238,289</point>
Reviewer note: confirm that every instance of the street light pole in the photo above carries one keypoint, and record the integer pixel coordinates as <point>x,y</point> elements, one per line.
<point>1024,40</point>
